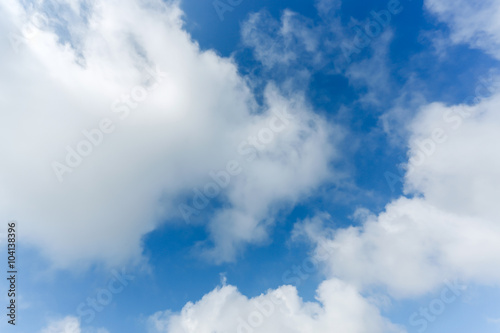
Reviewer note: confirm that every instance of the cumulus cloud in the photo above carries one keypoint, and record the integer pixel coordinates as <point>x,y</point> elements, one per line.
<point>339,308</point>
<point>476,23</point>
<point>448,228</point>
<point>122,83</point>
<point>445,228</point>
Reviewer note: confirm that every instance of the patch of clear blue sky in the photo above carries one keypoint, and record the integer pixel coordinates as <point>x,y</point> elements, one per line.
<point>178,276</point>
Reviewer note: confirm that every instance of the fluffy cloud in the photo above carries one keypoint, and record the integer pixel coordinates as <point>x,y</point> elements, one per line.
<point>476,23</point>
<point>449,228</point>
<point>340,308</point>
<point>445,229</point>
<point>167,115</point>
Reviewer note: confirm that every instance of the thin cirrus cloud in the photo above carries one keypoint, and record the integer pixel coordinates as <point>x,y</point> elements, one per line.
<point>168,114</point>
<point>300,45</point>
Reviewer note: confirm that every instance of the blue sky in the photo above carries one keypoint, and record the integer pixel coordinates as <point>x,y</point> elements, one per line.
<point>118,115</point>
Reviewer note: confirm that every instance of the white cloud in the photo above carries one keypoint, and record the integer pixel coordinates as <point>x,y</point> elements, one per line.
<point>326,7</point>
<point>447,229</point>
<point>493,320</point>
<point>287,42</point>
<point>450,229</point>
<point>190,124</point>
<point>70,324</point>
<point>302,46</point>
<point>461,173</point>
<point>473,22</point>
<point>284,172</point>
<point>373,72</point>
<point>66,325</point>
<point>340,308</point>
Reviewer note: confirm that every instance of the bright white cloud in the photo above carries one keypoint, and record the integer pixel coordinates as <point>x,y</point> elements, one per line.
<point>340,308</point>
<point>198,115</point>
